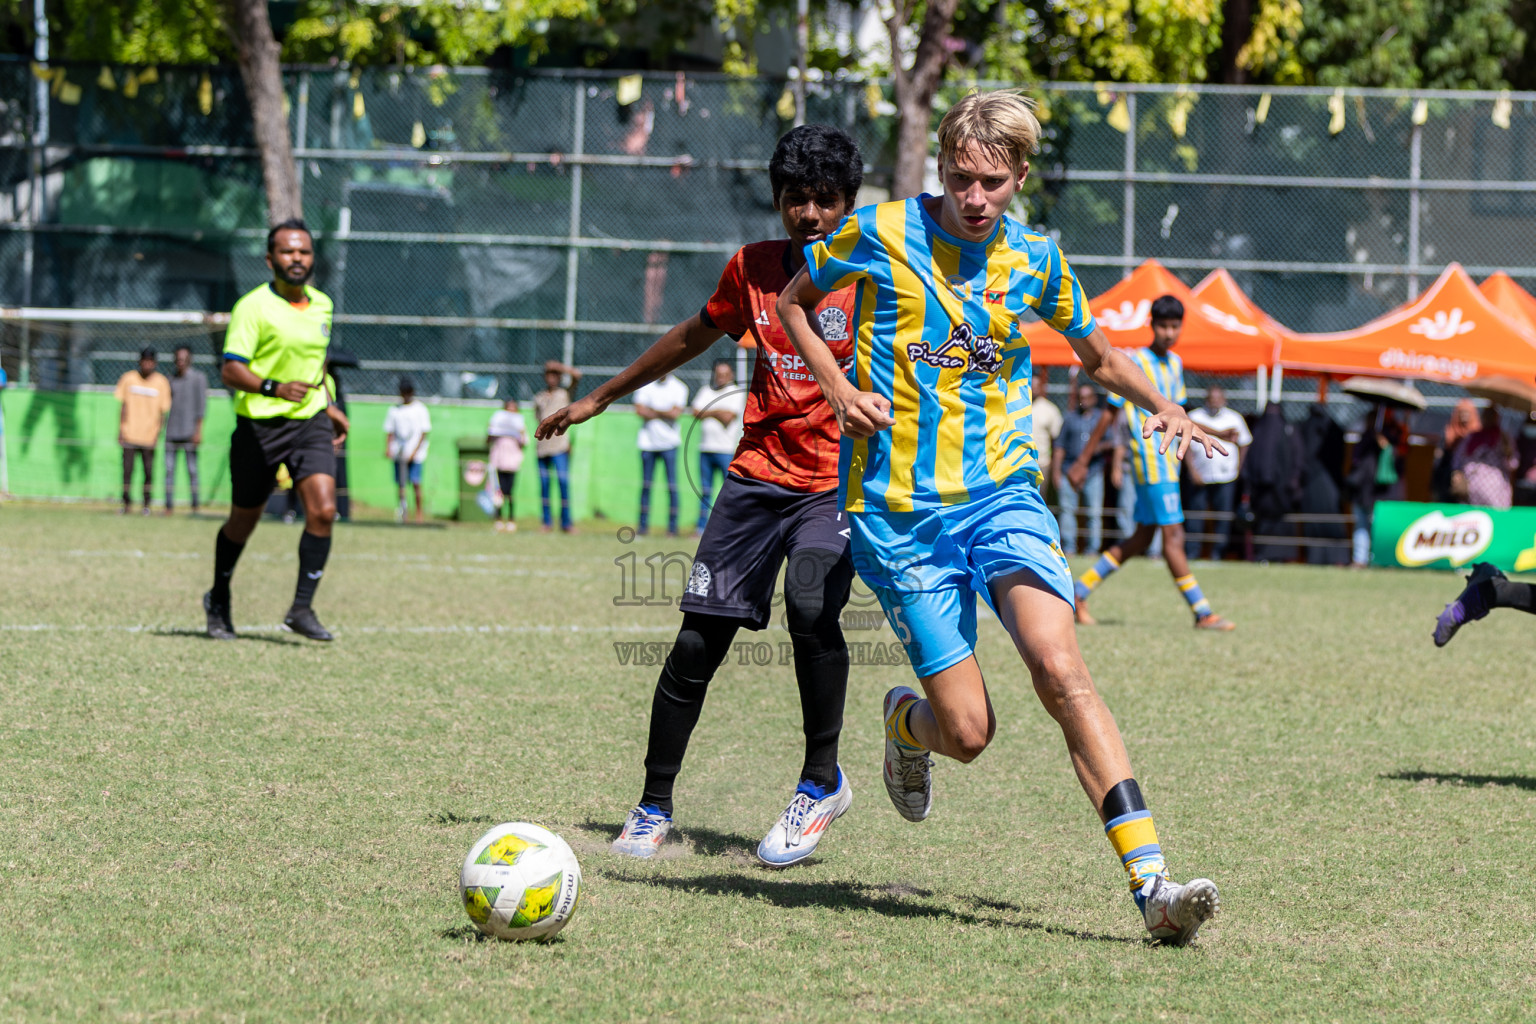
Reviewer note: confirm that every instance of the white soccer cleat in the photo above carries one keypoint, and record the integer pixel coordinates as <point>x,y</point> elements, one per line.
<point>1174,913</point>
<point>643,834</point>
<point>795,835</point>
<point>908,773</point>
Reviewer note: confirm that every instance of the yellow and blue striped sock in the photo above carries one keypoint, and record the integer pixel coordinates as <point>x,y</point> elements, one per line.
<point>1128,824</point>
<point>1192,593</point>
<point>898,729</point>
<point>1102,569</point>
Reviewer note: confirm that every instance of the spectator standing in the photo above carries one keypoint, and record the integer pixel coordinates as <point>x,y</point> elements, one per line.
<point>718,406</point>
<point>1375,469</point>
<point>507,436</point>
<point>406,427</point>
<point>184,426</point>
<point>1525,454</point>
<point>660,404</point>
<point>1486,458</point>
<point>1213,478</point>
<point>5,476</point>
<point>145,395</point>
<point>1271,474</point>
<point>1320,476</point>
<point>1076,430</point>
<point>1046,420</point>
<point>554,453</point>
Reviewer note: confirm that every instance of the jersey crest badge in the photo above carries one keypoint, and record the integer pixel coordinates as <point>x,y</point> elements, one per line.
<point>762,318</point>
<point>699,580</point>
<point>961,286</point>
<point>994,298</point>
<point>834,324</point>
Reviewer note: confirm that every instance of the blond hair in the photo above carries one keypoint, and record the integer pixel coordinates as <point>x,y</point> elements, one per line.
<point>1002,123</point>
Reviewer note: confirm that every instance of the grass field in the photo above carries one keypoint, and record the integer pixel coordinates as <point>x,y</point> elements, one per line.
<point>272,830</point>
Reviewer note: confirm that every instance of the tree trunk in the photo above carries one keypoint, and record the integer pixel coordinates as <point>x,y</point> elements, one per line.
<point>915,88</point>
<point>1236,27</point>
<point>256,48</point>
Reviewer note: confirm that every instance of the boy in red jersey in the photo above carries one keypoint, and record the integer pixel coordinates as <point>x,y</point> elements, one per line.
<point>779,501</point>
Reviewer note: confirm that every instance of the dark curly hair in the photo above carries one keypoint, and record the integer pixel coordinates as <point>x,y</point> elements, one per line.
<point>815,156</point>
<point>1166,307</point>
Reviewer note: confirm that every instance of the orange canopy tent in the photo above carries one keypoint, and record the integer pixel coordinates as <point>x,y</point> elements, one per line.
<point>1513,301</point>
<point>1212,341</point>
<point>1220,298</point>
<point>1450,333</point>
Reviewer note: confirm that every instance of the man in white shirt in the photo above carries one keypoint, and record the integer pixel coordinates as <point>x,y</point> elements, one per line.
<point>718,406</point>
<point>1047,420</point>
<point>406,427</point>
<point>660,405</point>
<point>1213,478</point>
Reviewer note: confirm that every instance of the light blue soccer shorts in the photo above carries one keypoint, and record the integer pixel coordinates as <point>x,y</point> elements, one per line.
<point>927,567</point>
<point>1159,504</point>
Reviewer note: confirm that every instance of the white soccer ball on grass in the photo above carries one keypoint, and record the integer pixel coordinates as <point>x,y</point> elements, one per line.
<point>520,881</point>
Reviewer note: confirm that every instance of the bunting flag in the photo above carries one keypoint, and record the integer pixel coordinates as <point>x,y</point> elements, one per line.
<point>1261,112</point>
<point>205,95</point>
<point>131,85</point>
<point>1336,112</point>
<point>1421,111</point>
<point>1120,116</point>
<point>105,79</point>
<point>1502,108</point>
<point>628,90</point>
<point>785,108</point>
<point>418,135</point>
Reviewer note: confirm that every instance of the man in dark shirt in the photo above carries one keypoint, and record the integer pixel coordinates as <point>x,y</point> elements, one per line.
<point>1076,431</point>
<point>184,425</point>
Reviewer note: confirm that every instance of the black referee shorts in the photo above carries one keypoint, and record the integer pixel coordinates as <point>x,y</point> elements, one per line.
<point>752,529</point>
<point>258,447</point>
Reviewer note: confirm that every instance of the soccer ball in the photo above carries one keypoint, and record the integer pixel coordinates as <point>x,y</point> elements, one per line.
<point>520,881</point>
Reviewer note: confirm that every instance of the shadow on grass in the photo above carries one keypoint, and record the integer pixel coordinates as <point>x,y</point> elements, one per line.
<point>455,818</point>
<point>705,841</point>
<point>198,634</point>
<point>1459,779</point>
<point>889,900</point>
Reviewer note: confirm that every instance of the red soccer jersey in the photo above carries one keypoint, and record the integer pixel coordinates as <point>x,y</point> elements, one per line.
<point>789,435</point>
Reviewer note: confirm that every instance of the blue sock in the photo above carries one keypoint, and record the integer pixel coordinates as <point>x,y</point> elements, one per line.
<point>815,790</point>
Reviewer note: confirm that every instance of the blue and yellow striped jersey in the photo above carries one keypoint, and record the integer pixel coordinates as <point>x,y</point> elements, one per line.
<point>937,333</point>
<point>1167,375</point>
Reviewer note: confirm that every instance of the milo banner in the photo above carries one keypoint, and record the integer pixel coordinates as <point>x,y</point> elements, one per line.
<point>1419,536</point>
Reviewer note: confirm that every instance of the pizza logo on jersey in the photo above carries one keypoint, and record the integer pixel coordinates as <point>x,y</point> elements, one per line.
<point>985,352</point>
<point>961,286</point>
<point>699,580</point>
<point>834,324</point>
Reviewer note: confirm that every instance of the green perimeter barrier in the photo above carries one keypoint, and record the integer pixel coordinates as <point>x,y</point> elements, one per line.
<point>63,444</point>
<point>1416,535</point>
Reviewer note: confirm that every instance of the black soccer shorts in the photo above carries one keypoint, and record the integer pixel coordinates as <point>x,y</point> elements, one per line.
<point>258,447</point>
<point>752,529</point>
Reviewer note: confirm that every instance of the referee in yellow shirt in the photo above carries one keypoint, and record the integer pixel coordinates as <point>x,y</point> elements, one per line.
<point>274,360</point>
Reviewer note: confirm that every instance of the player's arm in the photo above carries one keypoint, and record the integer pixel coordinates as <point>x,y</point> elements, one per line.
<point>1078,472</point>
<point>680,344</point>
<point>238,375</point>
<point>859,413</point>
<point>1110,368</point>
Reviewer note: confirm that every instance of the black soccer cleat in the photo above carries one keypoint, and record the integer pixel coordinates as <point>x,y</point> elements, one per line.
<point>302,620</point>
<point>219,625</point>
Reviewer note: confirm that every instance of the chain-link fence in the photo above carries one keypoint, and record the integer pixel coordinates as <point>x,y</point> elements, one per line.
<point>473,223</point>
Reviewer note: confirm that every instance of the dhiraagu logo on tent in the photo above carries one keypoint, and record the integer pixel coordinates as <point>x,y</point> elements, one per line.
<point>1459,538</point>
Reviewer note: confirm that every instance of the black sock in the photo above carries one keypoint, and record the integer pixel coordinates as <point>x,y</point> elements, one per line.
<point>313,551</point>
<point>225,554</point>
<point>701,645</point>
<point>816,587</point>
<point>1521,596</point>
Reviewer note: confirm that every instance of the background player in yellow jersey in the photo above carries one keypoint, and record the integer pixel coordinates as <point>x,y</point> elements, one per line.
<point>1156,474</point>
<point>940,473</point>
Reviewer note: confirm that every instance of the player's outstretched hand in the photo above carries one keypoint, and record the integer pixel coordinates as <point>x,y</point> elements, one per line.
<point>861,413</point>
<point>1178,427</point>
<point>561,420</point>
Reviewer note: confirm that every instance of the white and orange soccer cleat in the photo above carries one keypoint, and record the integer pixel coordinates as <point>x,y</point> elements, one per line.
<point>804,822</point>
<point>1173,913</point>
<point>644,831</point>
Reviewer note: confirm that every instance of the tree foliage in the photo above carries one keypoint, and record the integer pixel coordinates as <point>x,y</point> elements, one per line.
<point>1440,44</point>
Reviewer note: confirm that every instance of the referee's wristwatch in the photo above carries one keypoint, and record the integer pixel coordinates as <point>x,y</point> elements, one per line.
<point>269,387</point>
